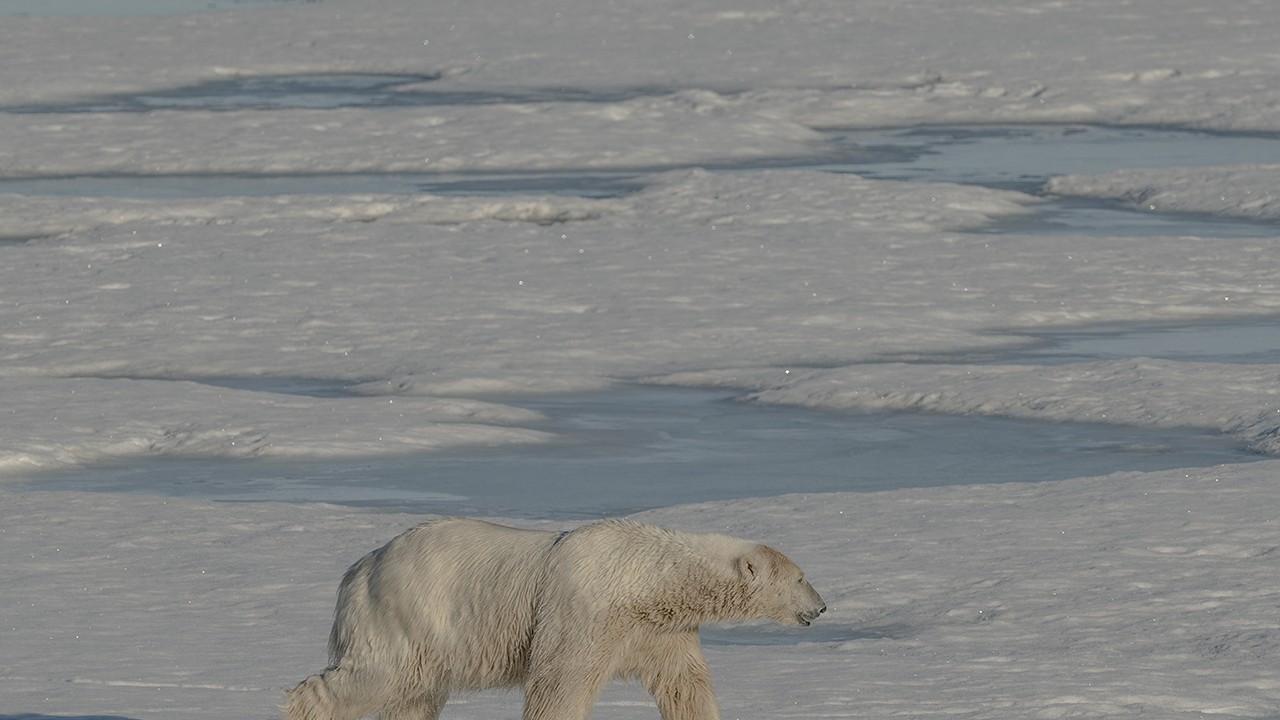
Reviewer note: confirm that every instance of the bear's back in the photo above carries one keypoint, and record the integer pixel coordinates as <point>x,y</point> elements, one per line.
<point>456,588</point>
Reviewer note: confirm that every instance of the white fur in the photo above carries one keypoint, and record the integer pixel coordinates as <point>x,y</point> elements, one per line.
<point>461,605</point>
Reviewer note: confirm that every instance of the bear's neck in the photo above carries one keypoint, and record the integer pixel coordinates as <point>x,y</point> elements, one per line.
<point>695,597</point>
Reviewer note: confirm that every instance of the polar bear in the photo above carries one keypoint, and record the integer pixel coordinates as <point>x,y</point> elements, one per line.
<point>461,605</point>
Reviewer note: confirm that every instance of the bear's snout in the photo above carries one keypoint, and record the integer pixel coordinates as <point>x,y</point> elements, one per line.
<point>807,616</point>
<point>809,606</point>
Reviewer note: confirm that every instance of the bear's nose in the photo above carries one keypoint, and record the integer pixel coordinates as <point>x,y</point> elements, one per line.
<point>822,609</point>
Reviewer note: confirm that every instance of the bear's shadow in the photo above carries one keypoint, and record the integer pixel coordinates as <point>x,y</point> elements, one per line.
<point>761,634</point>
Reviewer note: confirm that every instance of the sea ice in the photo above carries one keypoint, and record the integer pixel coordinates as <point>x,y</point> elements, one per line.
<point>129,327</point>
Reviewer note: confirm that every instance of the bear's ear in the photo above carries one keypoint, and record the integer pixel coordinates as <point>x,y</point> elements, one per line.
<point>751,565</point>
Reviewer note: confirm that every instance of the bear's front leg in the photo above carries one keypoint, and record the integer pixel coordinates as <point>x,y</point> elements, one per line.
<point>426,706</point>
<point>566,675</point>
<point>674,671</point>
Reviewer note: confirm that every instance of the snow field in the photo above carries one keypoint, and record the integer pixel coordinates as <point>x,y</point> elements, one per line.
<point>1125,595</point>
<point>1129,595</point>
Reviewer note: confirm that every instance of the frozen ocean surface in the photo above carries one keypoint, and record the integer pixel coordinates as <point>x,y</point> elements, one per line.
<point>1022,158</point>
<point>633,449</point>
<point>989,286</point>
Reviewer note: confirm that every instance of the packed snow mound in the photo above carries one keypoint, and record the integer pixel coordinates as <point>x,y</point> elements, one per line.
<point>1240,399</point>
<point>1243,191</point>
<point>182,418</point>
<point>790,200</point>
<point>31,217</point>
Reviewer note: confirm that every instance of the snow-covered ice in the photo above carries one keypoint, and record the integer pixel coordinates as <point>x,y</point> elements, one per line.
<point>1144,595</point>
<point>1246,191</point>
<point>130,327</point>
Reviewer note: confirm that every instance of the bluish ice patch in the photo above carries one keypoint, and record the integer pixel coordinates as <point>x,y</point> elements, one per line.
<point>1023,157</point>
<point>307,387</point>
<point>1250,341</point>
<point>638,448</point>
<point>589,185</point>
<point>1082,216</point>
<point>1243,341</point>
<point>327,91</point>
<point>267,93</point>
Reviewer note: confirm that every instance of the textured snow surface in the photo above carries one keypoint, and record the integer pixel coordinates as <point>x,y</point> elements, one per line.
<point>425,296</point>
<point>135,326</point>
<point>1143,595</point>
<point>1245,191</point>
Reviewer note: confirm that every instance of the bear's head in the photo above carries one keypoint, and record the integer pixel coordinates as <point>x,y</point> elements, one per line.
<point>778,588</point>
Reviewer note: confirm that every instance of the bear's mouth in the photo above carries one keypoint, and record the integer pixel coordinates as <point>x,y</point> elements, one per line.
<point>806,617</point>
